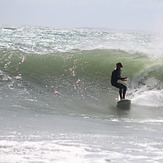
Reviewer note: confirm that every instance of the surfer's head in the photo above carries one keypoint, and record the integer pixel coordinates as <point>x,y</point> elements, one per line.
<point>119,65</point>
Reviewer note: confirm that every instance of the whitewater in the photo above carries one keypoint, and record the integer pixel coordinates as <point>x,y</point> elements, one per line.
<point>57,103</point>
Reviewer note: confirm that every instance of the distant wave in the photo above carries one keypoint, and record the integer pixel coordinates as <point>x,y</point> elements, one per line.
<point>48,40</point>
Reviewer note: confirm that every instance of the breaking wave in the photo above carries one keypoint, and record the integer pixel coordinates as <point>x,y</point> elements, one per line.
<point>80,75</point>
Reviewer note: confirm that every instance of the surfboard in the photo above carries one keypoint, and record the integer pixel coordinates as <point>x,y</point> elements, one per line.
<point>124,104</point>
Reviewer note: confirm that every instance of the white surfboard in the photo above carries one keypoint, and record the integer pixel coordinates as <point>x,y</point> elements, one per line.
<point>124,104</point>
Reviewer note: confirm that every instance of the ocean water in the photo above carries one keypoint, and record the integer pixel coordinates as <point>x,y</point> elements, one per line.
<point>57,103</point>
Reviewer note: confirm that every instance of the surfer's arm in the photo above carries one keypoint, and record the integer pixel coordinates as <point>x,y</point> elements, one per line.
<point>119,76</point>
<point>116,75</point>
<point>124,79</point>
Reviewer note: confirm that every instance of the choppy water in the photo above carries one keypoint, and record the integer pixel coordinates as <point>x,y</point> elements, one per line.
<point>57,104</point>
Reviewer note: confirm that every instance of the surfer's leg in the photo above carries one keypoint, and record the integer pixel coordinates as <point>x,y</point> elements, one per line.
<point>124,91</point>
<point>120,92</point>
<point>120,86</point>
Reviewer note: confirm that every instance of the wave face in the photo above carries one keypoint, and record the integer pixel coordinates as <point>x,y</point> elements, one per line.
<point>58,70</point>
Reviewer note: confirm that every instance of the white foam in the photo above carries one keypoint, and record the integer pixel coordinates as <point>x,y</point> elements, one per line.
<point>149,98</point>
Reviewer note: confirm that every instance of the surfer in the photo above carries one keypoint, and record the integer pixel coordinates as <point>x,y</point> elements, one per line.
<point>116,75</point>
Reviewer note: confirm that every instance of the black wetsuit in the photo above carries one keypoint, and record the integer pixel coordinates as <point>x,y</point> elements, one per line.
<point>116,75</point>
